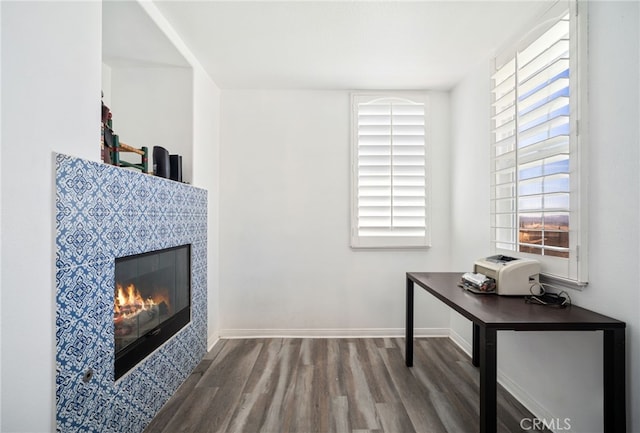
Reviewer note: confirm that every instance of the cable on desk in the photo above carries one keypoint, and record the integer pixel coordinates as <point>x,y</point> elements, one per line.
<point>548,299</point>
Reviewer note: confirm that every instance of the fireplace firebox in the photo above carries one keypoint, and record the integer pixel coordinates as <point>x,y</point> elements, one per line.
<point>152,302</point>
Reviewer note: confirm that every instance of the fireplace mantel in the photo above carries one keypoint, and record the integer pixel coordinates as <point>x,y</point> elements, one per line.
<point>104,212</point>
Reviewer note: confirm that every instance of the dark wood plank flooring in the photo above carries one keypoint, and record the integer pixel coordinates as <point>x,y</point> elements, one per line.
<point>280,385</point>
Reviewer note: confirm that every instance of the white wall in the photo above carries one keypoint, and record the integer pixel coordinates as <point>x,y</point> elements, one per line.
<point>286,266</point>
<point>206,170</point>
<point>106,84</point>
<point>469,168</point>
<point>469,181</point>
<point>153,106</point>
<point>50,89</point>
<point>571,359</point>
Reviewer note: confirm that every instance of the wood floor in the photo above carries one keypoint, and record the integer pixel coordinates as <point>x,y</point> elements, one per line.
<point>332,385</point>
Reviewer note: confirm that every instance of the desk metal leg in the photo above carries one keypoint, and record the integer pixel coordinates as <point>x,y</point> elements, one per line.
<point>408,341</point>
<point>475,349</point>
<point>614,378</point>
<point>488,378</point>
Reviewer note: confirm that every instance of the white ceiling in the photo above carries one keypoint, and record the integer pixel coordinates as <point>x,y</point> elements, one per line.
<point>345,44</point>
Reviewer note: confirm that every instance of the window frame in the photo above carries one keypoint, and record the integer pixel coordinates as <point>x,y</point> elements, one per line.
<point>358,241</point>
<point>569,272</point>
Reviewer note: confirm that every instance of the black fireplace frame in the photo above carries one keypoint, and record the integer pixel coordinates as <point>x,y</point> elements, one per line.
<point>135,352</point>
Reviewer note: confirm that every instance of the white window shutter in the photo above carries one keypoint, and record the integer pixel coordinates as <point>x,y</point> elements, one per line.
<point>389,202</point>
<point>534,166</point>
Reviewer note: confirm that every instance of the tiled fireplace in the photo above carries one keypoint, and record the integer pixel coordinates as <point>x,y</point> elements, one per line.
<point>104,213</point>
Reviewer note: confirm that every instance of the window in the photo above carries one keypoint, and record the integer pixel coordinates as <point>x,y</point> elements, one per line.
<point>389,201</point>
<point>537,151</point>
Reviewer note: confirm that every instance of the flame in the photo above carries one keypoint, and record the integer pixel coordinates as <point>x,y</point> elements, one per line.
<point>129,302</point>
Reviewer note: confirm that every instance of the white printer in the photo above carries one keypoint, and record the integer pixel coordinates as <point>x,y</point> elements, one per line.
<point>514,276</point>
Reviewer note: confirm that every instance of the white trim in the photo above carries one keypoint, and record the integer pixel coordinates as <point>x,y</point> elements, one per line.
<point>519,393</point>
<point>332,333</point>
<point>388,242</point>
<point>461,342</point>
<point>581,37</point>
<point>530,403</point>
<point>212,342</point>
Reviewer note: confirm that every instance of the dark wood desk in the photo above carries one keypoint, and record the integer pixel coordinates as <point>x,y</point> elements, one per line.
<point>491,313</point>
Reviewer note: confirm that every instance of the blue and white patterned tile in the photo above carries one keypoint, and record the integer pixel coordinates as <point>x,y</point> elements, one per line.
<point>117,189</point>
<point>172,375</point>
<point>164,192</point>
<point>116,239</point>
<point>142,193</point>
<point>164,232</point>
<point>179,199</point>
<point>179,232</point>
<point>101,212</point>
<point>145,391</point>
<point>83,342</point>
<point>98,417</point>
<point>120,414</point>
<point>76,181</point>
<point>64,211</point>
<point>196,230</point>
<point>141,232</point>
<point>85,292</point>
<point>198,202</point>
<point>82,407</point>
<point>104,212</point>
<point>76,241</point>
<point>149,368</point>
<point>130,213</point>
<point>82,347</point>
<point>198,254</point>
<point>197,285</point>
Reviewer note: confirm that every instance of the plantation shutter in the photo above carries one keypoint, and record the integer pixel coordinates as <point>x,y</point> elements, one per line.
<point>530,200</point>
<point>389,173</point>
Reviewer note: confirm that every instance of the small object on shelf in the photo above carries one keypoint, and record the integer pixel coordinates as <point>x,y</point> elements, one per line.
<point>175,171</point>
<point>161,164</point>
<point>123,147</point>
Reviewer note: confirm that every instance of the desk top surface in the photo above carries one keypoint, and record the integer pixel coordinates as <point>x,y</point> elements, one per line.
<point>508,312</point>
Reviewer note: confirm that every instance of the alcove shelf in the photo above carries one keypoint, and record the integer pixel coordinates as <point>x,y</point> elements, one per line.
<point>148,86</point>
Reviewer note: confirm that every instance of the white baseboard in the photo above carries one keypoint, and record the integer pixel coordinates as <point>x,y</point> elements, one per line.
<point>462,343</point>
<point>519,393</point>
<point>211,342</point>
<point>331,333</point>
